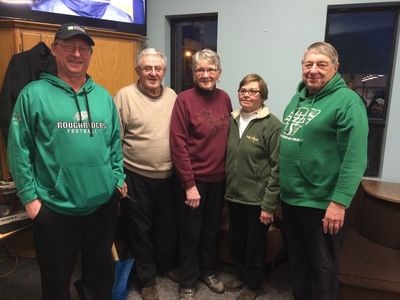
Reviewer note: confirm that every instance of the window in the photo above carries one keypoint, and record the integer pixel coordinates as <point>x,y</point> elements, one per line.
<point>365,37</point>
<point>188,35</point>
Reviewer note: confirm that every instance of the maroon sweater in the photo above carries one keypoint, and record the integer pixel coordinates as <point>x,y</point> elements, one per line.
<point>198,136</point>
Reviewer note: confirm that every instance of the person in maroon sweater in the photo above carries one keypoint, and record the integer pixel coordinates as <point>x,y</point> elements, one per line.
<point>198,137</point>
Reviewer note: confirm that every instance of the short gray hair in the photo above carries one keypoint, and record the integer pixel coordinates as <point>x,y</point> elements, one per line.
<point>206,55</point>
<point>151,52</point>
<point>325,49</point>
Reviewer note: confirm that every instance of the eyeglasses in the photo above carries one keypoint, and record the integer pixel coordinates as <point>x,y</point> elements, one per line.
<point>149,69</point>
<point>243,92</point>
<point>70,48</point>
<point>203,70</point>
<point>320,65</point>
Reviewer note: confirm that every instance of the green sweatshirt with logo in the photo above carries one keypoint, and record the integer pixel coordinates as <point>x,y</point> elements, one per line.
<point>64,146</point>
<point>323,150</point>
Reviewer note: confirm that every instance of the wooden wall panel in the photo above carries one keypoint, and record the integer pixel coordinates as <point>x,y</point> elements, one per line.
<point>7,50</point>
<point>113,63</point>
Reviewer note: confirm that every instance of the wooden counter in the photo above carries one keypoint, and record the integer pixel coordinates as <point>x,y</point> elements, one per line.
<point>389,191</point>
<point>380,213</point>
<point>369,261</point>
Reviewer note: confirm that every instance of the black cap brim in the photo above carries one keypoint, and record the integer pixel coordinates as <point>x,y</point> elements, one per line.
<point>85,37</point>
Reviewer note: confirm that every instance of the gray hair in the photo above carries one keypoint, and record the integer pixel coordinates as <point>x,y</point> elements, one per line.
<point>206,55</point>
<point>325,49</point>
<point>151,52</point>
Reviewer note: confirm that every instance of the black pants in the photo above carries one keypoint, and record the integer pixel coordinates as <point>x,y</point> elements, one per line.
<point>59,239</point>
<point>151,225</point>
<point>247,239</point>
<point>313,254</point>
<point>198,232</point>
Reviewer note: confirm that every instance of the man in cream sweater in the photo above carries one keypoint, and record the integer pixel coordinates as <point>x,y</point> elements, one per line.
<point>148,213</point>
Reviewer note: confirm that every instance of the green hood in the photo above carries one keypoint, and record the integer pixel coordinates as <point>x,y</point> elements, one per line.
<point>65,145</point>
<point>337,82</point>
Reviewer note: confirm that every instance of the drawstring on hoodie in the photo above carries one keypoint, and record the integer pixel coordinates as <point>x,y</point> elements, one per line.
<point>78,107</point>
<point>88,111</point>
<point>87,108</point>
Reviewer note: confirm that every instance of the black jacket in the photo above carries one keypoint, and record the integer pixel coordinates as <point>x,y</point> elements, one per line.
<point>23,68</point>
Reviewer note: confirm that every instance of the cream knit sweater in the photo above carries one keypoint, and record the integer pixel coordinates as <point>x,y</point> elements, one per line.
<point>145,124</point>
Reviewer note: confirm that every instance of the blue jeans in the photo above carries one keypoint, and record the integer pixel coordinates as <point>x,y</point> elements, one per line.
<point>313,254</point>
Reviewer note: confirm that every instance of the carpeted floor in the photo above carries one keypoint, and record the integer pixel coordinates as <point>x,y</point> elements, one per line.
<point>276,286</point>
<point>20,280</point>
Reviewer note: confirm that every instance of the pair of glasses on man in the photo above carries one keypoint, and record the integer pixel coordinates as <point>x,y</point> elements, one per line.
<point>243,92</point>
<point>204,70</point>
<point>149,69</point>
<point>71,48</point>
<point>319,65</point>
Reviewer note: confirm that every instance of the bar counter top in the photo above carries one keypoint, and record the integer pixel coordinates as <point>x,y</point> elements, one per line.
<point>389,191</point>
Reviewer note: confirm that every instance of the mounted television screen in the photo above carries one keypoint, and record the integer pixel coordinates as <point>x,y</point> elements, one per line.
<point>119,15</point>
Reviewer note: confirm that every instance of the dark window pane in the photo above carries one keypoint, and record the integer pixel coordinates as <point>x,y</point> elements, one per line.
<point>364,40</point>
<point>375,137</point>
<point>188,35</point>
<point>365,37</point>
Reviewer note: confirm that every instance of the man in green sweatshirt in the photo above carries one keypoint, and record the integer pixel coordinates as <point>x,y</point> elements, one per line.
<point>323,156</point>
<point>65,157</point>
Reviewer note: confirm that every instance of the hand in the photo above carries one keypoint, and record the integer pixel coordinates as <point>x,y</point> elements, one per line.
<point>266,217</point>
<point>123,191</point>
<point>192,197</point>
<point>32,208</point>
<point>334,218</point>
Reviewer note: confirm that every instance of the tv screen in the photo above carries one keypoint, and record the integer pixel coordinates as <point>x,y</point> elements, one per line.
<point>119,15</point>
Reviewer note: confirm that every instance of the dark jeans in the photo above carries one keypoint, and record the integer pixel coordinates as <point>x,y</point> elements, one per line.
<point>151,225</point>
<point>313,254</point>
<point>59,239</point>
<point>198,232</point>
<point>247,236</point>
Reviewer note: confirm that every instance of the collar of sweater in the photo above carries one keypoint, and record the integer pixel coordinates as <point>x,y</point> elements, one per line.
<point>260,113</point>
<point>147,94</point>
<point>207,93</point>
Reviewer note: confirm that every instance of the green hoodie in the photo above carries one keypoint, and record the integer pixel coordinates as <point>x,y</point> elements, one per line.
<point>64,147</point>
<point>323,151</point>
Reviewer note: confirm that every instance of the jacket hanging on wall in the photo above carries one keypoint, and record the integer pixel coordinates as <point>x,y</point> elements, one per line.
<point>23,68</point>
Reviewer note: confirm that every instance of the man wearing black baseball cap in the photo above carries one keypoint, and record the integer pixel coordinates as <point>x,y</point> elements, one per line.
<point>70,30</point>
<point>65,156</point>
